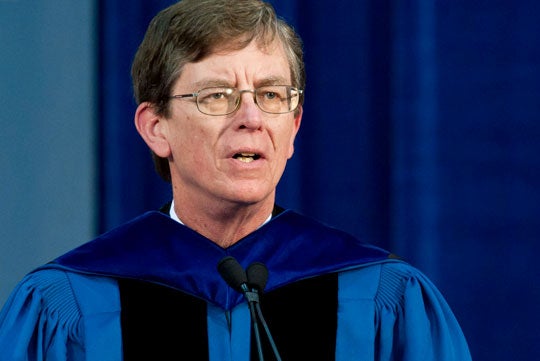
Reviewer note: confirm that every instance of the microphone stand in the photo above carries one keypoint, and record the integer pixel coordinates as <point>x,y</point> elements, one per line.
<point>267,330</point>
<point>253,301</point>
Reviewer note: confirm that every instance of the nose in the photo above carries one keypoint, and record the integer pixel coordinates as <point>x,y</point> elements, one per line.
<point>251,98</point>
<point>248,112</point>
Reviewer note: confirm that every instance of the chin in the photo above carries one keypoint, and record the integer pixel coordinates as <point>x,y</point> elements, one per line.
<point>251,196</point>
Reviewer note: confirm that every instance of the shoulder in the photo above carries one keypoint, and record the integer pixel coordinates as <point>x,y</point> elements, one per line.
<point>70,294</point>
<point>59,312</point>
<point>389,282</point>
<point>42,307</point>
<point>407,314</point>
<point>53,289</point>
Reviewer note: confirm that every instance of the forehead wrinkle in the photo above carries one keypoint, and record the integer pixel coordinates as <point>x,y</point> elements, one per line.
<point>258,75</point>
<point>261,76</point>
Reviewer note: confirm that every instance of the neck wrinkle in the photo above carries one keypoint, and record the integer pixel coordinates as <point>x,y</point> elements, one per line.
<point>227,234</point>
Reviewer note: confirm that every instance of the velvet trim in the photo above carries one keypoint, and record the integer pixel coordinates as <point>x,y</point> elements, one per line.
<point>155,248</point>
<point>302,317</point>
<point>160,322</point>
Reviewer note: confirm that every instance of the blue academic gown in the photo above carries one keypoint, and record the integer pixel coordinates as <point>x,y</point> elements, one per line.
<point>70,309</point>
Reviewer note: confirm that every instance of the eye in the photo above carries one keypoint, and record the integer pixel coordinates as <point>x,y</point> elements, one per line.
<point>217,95</point>
<point>270,95</point>
<point>214,94</point>
<point>273,93</point>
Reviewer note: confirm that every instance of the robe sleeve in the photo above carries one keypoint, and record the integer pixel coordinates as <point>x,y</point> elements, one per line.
<point>41,320</point>
<point>57,315</point>
<point>413,321</point>
<point>390,311</point>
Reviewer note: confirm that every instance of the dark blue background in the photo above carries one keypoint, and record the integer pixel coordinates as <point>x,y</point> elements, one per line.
<point>421,134</point>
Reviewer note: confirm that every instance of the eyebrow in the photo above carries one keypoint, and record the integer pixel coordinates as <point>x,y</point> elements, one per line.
<point>274,80</point>
<point>205,83</point>
<point>271,80</point>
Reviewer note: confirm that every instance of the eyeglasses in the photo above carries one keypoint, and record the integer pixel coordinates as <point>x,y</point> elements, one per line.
<point>273,99</point>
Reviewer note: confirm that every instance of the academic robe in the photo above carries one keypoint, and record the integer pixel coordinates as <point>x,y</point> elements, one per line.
<point>149,290</point>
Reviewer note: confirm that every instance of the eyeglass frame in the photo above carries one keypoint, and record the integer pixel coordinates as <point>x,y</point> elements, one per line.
<point>253,91</point>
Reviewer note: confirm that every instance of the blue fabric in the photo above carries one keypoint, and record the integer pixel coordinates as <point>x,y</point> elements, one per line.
<point>58,316</point>
<point>400,315</point>
<point>420,134</point>
<point>70,309</point>
<point>411,320</point>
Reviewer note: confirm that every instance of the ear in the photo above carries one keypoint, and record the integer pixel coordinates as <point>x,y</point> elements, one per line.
<point>297,121</point>
<point>153,129</point>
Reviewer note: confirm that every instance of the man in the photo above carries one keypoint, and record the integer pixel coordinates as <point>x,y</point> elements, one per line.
<point>219,85</point>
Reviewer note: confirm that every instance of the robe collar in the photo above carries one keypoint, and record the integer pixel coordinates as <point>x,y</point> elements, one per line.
<point>155,248</point>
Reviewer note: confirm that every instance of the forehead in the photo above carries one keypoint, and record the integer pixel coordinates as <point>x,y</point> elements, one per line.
<point>251,64</point>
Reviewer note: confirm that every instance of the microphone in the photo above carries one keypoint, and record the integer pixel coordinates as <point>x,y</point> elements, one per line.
<point>235,276</point>
<point>257,275</point>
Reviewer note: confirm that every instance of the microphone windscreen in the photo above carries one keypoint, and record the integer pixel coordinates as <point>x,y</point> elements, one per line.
<point>257,275</point>
<point>232,272</point>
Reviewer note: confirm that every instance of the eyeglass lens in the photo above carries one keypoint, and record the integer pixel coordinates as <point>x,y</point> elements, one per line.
<point>274,99</point>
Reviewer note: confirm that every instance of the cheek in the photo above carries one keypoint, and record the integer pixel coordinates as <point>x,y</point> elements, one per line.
<point>191,142</point>
<point>182,133</point>
<point>289,137</point>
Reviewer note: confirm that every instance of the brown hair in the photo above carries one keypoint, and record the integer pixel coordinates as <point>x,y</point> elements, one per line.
<point>191,30</point>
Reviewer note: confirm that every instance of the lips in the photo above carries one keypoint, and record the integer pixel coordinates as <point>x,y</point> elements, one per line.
<point>246,157</point>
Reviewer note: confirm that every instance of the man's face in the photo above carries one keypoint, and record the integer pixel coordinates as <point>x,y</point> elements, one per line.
<point>210,156</point>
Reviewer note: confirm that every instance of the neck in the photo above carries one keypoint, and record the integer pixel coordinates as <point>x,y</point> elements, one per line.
<point>224,225</point>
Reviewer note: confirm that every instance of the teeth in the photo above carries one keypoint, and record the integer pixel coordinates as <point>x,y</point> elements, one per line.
<point>246,157</point>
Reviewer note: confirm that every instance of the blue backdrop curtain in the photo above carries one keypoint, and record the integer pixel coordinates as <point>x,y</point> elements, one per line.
<point>421,134</point>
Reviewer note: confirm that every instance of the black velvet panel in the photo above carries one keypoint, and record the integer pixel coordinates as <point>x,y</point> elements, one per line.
<point>302,318</point>
<point>160,323</point>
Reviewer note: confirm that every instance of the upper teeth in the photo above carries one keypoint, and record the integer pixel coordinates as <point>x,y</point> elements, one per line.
<point>246,157</point>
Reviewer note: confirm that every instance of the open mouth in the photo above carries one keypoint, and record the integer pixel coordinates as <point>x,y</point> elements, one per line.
<point>246,157</point>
